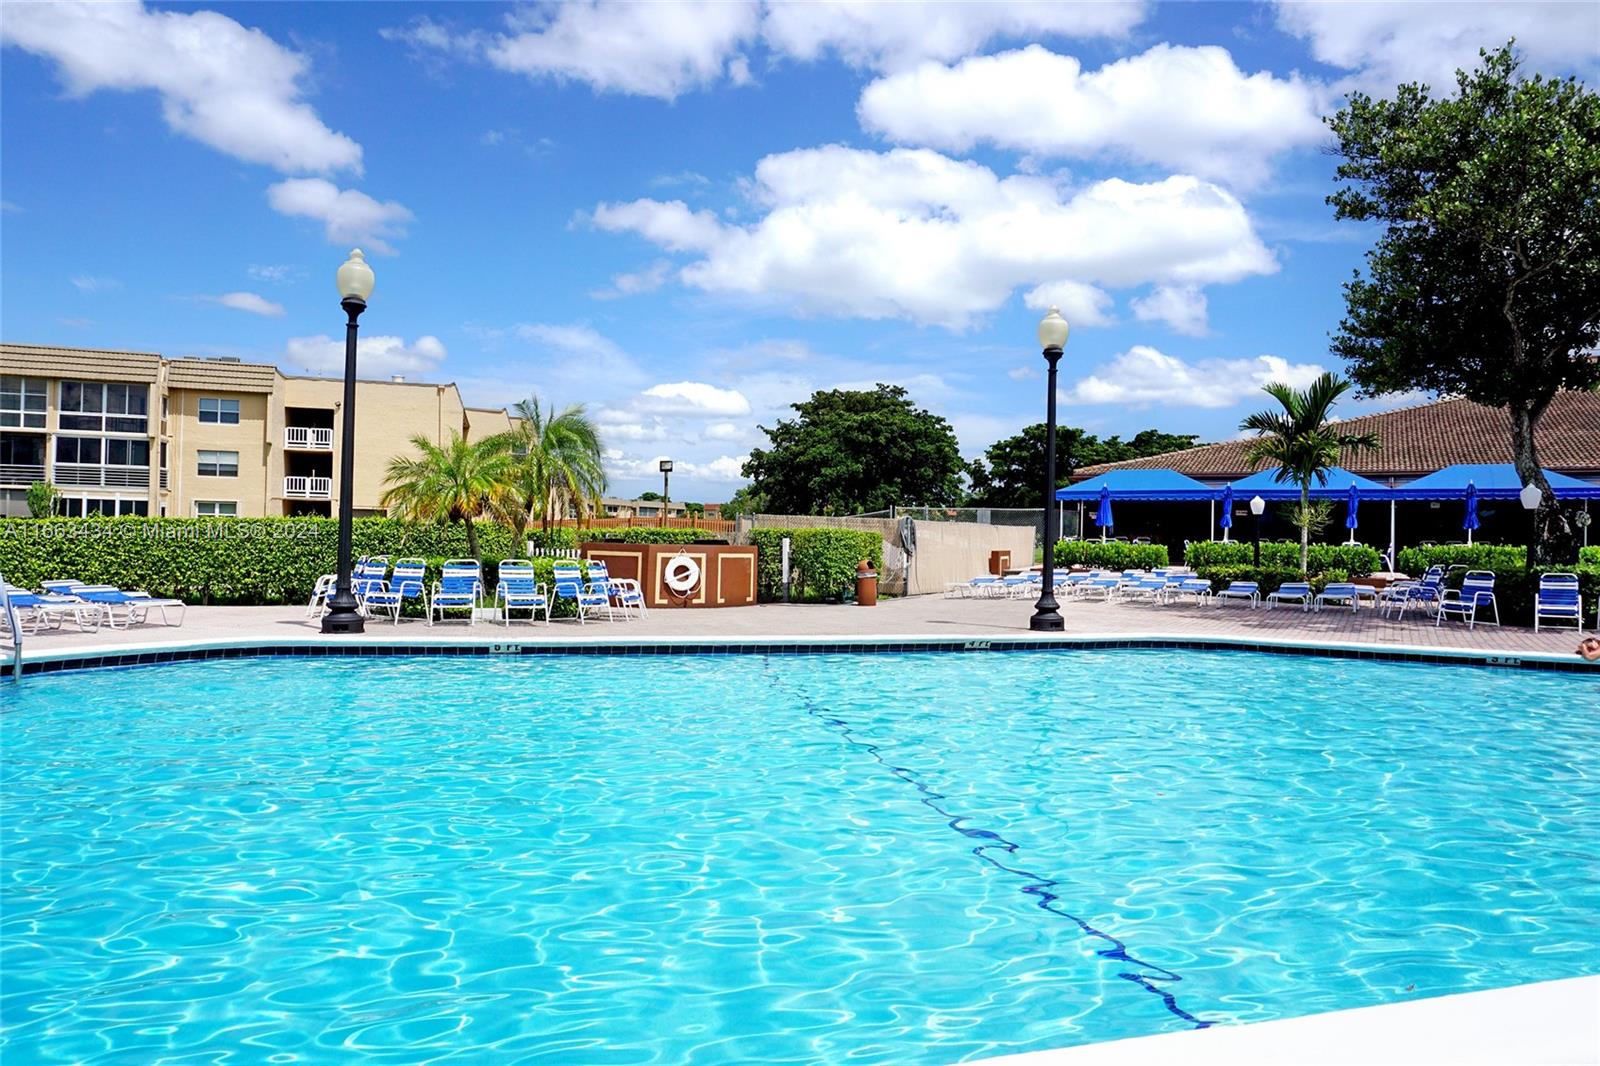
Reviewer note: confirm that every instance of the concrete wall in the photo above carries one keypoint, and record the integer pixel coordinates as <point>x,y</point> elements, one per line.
<point>189,436</point>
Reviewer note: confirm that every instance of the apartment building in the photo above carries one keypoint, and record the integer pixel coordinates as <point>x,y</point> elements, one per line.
<point>137,433</point>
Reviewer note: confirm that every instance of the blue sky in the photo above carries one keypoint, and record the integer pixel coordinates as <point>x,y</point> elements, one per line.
<point>688,216</point>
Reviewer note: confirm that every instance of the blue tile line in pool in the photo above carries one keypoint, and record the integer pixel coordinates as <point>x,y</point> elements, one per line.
<point>1146,975</point>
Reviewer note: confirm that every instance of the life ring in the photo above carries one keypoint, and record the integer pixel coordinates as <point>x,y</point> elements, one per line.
<point>682,575</point>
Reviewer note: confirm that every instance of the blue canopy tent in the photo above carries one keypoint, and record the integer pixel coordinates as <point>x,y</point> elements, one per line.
<point>1265,483</point>
<point>1494,481</point>
<point>1138,486</point>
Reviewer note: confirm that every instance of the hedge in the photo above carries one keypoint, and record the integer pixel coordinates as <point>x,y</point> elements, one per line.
<point>822,562</point>
<point>651,535</point>
<point>1110,554</point>
<point>1514,583</point>
<point>1357,560</point>
<point>1589,556</point>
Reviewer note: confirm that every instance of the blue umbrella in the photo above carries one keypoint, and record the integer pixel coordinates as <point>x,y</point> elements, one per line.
<point>1102,517</point>
<point>1227,510</point>
<point>1470,522</point>
<point>1351,504</point>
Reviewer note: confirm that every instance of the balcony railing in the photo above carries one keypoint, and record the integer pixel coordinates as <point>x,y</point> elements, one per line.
<point>308,488</point>
<point>21,473</point>
<point>308,438</point>
<point>120,477</point>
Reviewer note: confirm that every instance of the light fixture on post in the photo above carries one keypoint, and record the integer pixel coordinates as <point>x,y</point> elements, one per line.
<point>666,494</point>
<point>1258,507</point>
<point>1053,332</point>
<point>1532,496</point>
<point>355,285</point>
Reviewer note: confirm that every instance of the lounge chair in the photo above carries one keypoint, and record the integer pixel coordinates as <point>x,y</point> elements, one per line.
<point>36,612</point>
<point>519,590</point>
<point>1103,587</point>
<point>1477,591</point>
<point>628,595</point>
<point>136,605</point>
<point>459,588</point>
<point>1247,591</point>
<point>568,579</point>
<point>1146,588</point>
<point>1424,594</point>
<point>1558,599</point>
<point>407,583</point>
<point>320,592</point>
<point>1291,592</point>
<point>1198,588</point>
<point>1340,592</point>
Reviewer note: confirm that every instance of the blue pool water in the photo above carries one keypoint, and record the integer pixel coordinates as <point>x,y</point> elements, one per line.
<point>896,859</point>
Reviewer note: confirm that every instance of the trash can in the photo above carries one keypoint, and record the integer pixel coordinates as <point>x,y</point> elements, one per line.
<point>866,585</point>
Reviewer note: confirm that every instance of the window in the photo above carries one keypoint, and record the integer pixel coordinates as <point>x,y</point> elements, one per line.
<point>22,450</point>
<point>79,449</point>
<point>80,507</point>
<point>225,412</point>
<point>110,407</point>
<point>22,402</point>
<point>219,464</point>
<point>216,508</point>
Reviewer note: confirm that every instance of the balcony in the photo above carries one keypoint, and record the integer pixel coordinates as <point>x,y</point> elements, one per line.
<point>21,473</point>
<point>308,488</point>
<point>308,438</point>
<point>114,477</point>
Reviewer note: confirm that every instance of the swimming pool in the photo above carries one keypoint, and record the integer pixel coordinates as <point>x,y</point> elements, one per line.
<point>914,858</point>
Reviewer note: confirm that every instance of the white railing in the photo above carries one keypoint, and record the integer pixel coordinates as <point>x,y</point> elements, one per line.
<point>308,438</point>
<point>21,473</point>
<point>123,477</point>
<point>13,625</point>
<point>308,488</point>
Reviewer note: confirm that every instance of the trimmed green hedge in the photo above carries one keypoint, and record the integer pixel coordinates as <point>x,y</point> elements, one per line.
<point>1496,557</point>
<point>651,535</point>
<point>822,562</point>
<point>1357,560</point>
<point>1514,583</point>
<point>1110,554</point>
<point>1589,556</point>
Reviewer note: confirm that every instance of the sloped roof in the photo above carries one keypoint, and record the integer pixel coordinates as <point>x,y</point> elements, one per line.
<point>223,375</point>
<point>1491,481</point>
<point>1154,484</point>
<point>1418,440</point>
<point>96,364</point>
<point>1265,483</point>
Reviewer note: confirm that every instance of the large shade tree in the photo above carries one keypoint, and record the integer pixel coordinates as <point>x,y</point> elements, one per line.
<point>1485,281</point>
<point>1011,472</point>
<point>851,451</point>
<point>459,481</point>
<point>1303,441</point>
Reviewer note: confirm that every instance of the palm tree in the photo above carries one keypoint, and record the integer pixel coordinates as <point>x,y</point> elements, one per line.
<point>1302,441</point>
<point>458,481</point>
<point>559,464</point>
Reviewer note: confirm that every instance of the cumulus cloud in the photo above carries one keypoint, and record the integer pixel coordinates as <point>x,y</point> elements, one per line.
<point>1181,307</point>
<point>90,283</point>
<point>582,354</point>
<point>722,468</point>
<point>1080,304</point>
<point>1386,44</point>
<point>634,283</point>
<point>693,398</point>
<point>249,301</point>
<point>376,356</point>
<point>912,233</point>
<point>1142,376</point>
<point>232,88</point>
<point>1173,106</point>
<point>726,431</point>
<point>277,274</point>
<point>347,216</point>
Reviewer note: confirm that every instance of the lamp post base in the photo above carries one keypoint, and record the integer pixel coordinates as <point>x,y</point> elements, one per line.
<point>343,618</point>
<point>1047,622</point>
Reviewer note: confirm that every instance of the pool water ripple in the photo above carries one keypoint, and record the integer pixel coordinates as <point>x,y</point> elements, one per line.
<point>816,859</point>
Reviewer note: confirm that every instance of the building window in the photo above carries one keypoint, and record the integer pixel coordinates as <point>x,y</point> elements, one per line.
<point>112,451</point>
<point>105,407</point>
<point>216,508</point>
<point>80,506</point>
<point>225,412</point>
<point>22,402</point>
<point>219,464</point>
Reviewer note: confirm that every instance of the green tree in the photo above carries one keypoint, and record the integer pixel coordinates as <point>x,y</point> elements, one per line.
<point>746,501</point>
<point>456,482</point>
<point>1303,442</point>
<point>43,499</point>
<point>1011,473</point>
<point>851,451</point>
<point>559,465</point>
<point>1486,280</point>
<point>648,495</point>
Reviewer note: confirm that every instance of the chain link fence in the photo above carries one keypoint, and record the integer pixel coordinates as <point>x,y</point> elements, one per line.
<point>989,516</point>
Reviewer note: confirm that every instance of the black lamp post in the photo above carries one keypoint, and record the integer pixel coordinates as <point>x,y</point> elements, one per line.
<point>1258,507</point>
<point>666,495</point>
<point>355,285</point>
<point>1053,330</point>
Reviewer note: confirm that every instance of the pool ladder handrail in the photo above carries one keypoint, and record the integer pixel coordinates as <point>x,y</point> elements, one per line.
<point>15,628</point>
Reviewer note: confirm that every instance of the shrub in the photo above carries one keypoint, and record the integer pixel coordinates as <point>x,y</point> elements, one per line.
<point>650,535</point>
<point>1589,556</point>
<point>1514,584</point>
<point>1355,559</point>
<point>558,538</point>
<point>1270,578</point>
<point>1110,554</point>
<point>822,562</point>
<point>43,499</point>
<point>1497,557</point>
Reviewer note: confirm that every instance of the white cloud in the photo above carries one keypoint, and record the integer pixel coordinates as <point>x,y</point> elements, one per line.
<point>376,356</point>
<point>1023,373</point>
<point>249,301</point>
<point>649,279</point>
<point>693,398</point>
<point>726,431</point>
<point>1186,108</point>
<point>89,283</point>
<point>582,355</point>
<point>1142,375</point>
<point>347,216</point>
<point>722,468</point>
<point>226,86</point>
<point>1181,307</point>
<point>1389,43</point>
<point>277,274</point>
<point>915,234</point>
<point>1080,304</point>
<point>9,208</point>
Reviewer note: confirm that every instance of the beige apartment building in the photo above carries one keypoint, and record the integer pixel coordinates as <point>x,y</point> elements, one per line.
<point>136,433</point>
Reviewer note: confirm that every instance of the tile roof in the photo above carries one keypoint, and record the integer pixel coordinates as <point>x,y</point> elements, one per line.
<point>96,364</point>
<point>222,375</point>
<point>1417,440</point>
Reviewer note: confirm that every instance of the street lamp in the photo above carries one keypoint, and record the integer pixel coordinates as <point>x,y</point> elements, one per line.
<point>1053,330</point>
<point>666,496</point>
<point>1258,507</point>
<point>355,285</point>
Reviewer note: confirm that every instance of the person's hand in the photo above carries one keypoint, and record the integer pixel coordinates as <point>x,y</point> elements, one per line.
<point>1589,648</point>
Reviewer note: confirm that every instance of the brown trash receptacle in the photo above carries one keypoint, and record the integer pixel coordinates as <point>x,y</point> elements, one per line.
<point>999,563</point>
<point>866,585</point>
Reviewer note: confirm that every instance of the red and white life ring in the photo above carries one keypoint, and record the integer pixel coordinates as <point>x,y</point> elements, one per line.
<point>682,575</point>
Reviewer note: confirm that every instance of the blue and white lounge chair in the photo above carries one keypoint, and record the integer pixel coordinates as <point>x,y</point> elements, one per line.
<point>628,595</point>
<point>568,579</point>
<point>135,605</point>
<point>459,588</point>
<point>1146,588</point>
<point>1196,588</point>
<point>518,590</point>
<point>1291,592</point>
<point>406,583</point>
<point>1558,599</point>
<point>1422,594</point>
<point>1339,592</point>
<point>36,612</point>
<point>1476,592</point>
<point>1246,591</point>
